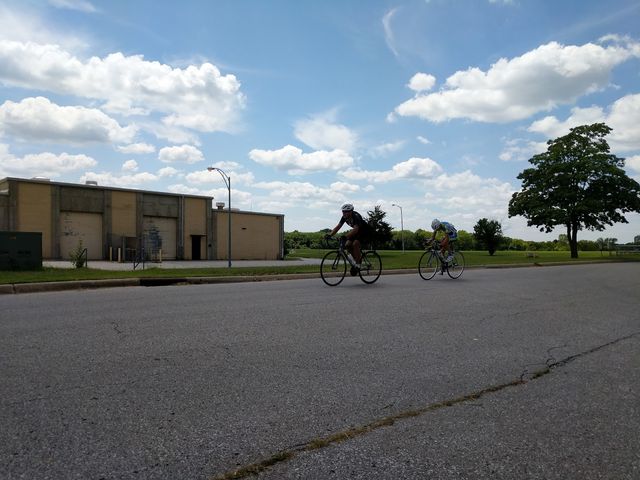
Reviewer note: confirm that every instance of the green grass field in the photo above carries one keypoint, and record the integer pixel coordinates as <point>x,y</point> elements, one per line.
<point>394,259</point>
<point>391,260</point>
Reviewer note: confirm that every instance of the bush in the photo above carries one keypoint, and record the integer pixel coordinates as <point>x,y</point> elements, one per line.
<point>77,256</point>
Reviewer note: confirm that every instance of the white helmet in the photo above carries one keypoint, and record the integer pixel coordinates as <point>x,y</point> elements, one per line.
<point>347,207</point>
<point>435,224</point>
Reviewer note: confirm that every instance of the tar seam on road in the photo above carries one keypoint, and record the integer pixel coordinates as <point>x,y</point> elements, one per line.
<point>342,436</point>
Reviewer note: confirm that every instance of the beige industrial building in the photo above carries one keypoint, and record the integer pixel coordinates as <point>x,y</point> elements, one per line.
<point>117,224</point>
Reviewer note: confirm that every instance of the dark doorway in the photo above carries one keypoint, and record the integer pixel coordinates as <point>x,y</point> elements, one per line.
<point>196,253</point>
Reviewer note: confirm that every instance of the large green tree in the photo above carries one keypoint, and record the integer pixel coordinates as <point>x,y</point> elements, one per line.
<point>488,234</point>
<point>381,231</point>
<point>576,183</point>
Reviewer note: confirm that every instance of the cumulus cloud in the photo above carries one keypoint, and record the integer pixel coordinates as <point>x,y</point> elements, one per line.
<point>540,80</point>
<point>386,148</point>
<point>623,116</point>
<point>468,192</point>
<point>180,154</point>
<point>300,191</point>
<point>130,166</point>
<point>129,180</point>
<point>168,172</point>
<point>38,119</point>
<point>323,133</point>
<point>206,176</point>
<point>421,82</point>
<point>136,148</point>
<point>294,161</point>
<point>414,168</point>
<point>41,164</point>
<point>197,97</point>
<point>633,163</point>
<point>520,150</point>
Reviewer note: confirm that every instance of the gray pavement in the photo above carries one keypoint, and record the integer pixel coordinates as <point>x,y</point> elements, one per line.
<point>195,383</point>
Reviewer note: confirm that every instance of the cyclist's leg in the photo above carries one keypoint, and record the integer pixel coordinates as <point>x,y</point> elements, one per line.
<point>444,246</point>
<point>357,251</point>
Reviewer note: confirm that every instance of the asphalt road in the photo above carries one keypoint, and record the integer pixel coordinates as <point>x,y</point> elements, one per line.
<point>502,374</point>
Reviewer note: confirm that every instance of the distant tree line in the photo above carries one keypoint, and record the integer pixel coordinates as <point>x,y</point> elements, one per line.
<point>487,235</point>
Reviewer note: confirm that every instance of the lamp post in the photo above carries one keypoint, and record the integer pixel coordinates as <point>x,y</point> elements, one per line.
<point>401,225</point>
<point>227,182</point>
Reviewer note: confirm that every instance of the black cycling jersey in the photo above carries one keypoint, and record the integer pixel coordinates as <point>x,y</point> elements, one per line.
<point>356,220</point>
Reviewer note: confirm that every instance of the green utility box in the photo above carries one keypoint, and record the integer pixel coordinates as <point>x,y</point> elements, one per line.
<point>20,250</point>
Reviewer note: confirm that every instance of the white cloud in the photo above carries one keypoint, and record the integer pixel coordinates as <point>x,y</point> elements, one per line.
<point>539,80</point>
<point>388,31</point>
<point>197,97</point>
<point>41,164</point>
<point>414,168</point>
<point>180,154</point>
<point>633,163</point>
<point>137,148</point>
<point>205,176</point>
<point>37,119</point>
<point>321,132</point>
<point>130,166</point>
<point>345,187</point>
<point>386,148</point>
<point>623,117</point>
<point>466,192</point>
<point>294,161</point>
<point>423,140</point>
<point>168,172</point>
<point>520,150</point>
<point>129,180</point>
<point>421,82</point>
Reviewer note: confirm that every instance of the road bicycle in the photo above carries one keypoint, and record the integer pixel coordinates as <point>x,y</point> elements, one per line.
<point>333,268</point>
<point>432,262</point>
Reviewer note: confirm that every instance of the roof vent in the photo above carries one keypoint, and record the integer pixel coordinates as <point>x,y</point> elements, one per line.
<point>42,179</point>
<point>220,205</point>
<point>91,182</point>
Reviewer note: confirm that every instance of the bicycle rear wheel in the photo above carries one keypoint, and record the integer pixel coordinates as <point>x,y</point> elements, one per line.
<point>428,265</point>
<point>456,266</point>
<point>371,267</point>
<point>333,268</point>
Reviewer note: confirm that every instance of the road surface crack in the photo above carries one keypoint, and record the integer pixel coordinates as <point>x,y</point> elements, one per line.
<point>353,432</point>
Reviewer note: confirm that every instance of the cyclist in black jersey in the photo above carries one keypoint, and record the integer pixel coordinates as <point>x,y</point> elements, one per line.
<point>358,234</point>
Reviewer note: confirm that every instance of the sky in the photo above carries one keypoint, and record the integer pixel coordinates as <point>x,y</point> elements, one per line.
<point>427,108</point>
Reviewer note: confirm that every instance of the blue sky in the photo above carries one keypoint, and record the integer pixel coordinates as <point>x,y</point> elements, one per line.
<point>433,105</point>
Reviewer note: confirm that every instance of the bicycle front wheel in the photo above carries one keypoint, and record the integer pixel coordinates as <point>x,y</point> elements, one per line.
<point>456,266</point>
<point>371,266</point>
<point>333,268</point>
<point>428,265</point>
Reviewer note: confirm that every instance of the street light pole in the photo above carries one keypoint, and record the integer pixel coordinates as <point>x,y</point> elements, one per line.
<point>401,225</point>
<point>227,182</point>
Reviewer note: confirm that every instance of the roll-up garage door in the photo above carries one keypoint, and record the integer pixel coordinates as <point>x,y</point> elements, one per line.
<point>85,227</point>
<point>161,234</point>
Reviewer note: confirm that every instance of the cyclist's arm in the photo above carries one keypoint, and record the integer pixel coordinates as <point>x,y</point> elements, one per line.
<point>337,227</point>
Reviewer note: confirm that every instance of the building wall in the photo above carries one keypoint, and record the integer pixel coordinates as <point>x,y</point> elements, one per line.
<point>195,228</point>
<point>123,214</point>
<point>34,213</point>
<point>254,236</point>
<point>108,220</point>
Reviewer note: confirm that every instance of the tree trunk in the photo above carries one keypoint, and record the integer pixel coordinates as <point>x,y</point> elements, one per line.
<point>572,234</point>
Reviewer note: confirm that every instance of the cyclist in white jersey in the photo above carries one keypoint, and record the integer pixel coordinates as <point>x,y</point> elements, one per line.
<point>451,235</point>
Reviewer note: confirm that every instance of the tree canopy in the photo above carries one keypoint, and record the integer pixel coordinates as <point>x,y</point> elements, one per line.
<point>488,233</point>
<point>576,183</point>
<point>381,231</point>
